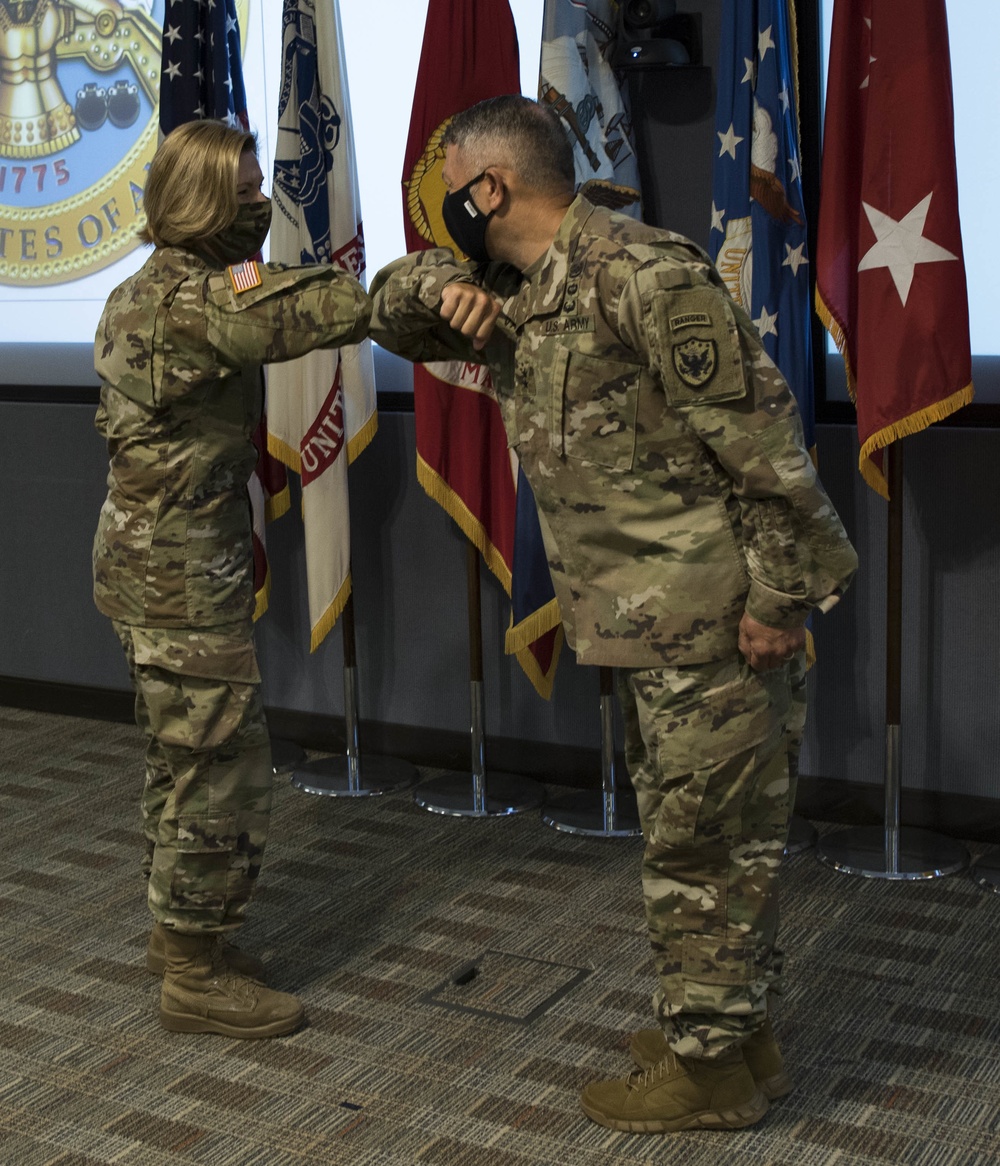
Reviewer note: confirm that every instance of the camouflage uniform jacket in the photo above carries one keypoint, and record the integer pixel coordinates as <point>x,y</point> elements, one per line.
<point>663,446</point>
<point>178,349</point>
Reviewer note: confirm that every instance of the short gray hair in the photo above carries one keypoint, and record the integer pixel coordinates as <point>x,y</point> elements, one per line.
<point>518,133</point>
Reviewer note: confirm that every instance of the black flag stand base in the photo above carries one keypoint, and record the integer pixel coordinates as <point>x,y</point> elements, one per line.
<point>986,871</point>
<point>801,835</point>
<point>285,754</point>
<point>610,812</point>
<point>892,851</point>
<point>504,793</point>
<point>352,776</point>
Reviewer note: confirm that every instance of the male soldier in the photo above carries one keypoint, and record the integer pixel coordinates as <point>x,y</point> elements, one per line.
<point>179,348</point>
<point>688,540</point>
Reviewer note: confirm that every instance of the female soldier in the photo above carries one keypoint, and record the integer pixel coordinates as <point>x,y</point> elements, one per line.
<point>178,350</point>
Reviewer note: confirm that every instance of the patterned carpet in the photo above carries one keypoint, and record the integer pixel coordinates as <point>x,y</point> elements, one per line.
<point>369,908</point>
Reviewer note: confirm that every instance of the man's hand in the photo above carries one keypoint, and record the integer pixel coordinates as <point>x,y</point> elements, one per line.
<point>470,310</point>
<point>766,648</point>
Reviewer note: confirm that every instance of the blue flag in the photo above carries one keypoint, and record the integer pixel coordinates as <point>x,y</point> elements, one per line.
<point>202,71</point>
<point>758,236</point>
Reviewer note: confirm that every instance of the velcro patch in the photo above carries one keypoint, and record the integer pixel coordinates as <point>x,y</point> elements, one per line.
<point>688,320</point>
<point>245,276</point>
<point>695,361</point>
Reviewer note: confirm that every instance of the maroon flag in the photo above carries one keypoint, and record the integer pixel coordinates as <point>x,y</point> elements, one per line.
<point>470,53</point>
<point>890,274</point>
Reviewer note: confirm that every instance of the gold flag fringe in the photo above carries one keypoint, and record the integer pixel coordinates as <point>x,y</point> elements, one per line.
<point>529,629</point>
<point>539,622</point>
<point>278,504</point>
<point>437,488</point>
<point>324,625</point>
<point>284,453</point>
<point>262,597</point>
<point>360,441</point>
<point>541,681</point>
<point>905,426</point>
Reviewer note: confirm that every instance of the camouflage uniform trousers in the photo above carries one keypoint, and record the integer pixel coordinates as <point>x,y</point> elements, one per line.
<point>712,750</point>
<point>209,778</point>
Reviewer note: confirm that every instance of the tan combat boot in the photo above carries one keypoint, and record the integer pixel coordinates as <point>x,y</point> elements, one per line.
<point>678,1093</point>
<point>201,994</point>
<point>760,1051</point>
<point>237,961</point>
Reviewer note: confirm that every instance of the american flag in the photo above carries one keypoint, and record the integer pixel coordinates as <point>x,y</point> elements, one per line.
<point>202,74</point>
<point>245,276</point>
<point>202,77</point>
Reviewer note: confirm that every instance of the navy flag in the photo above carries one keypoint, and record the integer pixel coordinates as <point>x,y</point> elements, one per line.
<point>758,234</point>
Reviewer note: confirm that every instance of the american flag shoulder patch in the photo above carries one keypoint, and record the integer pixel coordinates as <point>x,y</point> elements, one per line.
<point>245,276</point>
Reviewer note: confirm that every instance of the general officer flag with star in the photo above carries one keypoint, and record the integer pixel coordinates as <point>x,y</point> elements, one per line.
<point>758,234</point>
<point>202,77</point>
<point>890,282</point>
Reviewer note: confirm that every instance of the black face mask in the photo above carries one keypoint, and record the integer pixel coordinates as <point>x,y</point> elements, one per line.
<point>245,236</point>
<point>466,223</point>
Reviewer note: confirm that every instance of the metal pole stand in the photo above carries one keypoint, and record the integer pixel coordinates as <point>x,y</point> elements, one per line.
<point>614,814</point>
<point>507,793</point>
<point>893,852</point>
<point>986,871</point>
<point>352,776</point>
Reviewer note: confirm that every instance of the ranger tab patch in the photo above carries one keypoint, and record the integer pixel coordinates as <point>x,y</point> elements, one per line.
<point>689,320</point>
<point>695,362</point>
<point>245,276</point>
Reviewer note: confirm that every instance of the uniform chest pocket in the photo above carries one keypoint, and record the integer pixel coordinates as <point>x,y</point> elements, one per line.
<point>594,403</point>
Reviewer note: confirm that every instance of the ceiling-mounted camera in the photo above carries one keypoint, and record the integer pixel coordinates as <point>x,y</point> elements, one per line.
<point>651,33</point>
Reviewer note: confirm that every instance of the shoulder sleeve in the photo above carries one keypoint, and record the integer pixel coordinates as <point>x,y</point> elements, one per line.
<point>715,373</point>
<point>406,303</point>
<point>267,312</point>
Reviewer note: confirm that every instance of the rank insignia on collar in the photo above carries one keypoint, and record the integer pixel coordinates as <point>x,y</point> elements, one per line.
<point>695,362</point>
<point>245,276</point>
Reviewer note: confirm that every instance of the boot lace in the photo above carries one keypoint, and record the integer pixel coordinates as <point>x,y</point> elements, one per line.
<point>646,1078</point>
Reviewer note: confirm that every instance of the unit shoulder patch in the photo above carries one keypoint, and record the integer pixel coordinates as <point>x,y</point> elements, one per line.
<point>695,362</point>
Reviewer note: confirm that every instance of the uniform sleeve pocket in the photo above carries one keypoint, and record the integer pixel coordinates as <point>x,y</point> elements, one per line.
<point>594,405</point>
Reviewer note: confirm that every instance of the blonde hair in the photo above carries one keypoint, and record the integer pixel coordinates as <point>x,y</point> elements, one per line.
<point>190,191</point>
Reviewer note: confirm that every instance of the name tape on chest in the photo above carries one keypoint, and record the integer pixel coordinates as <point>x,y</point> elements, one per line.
<point>245,276</point>
<point>566,324</point>
<point>689,320</point>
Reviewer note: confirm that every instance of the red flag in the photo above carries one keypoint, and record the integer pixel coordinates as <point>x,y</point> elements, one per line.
<point>469,53</point>
<point>890,282</point>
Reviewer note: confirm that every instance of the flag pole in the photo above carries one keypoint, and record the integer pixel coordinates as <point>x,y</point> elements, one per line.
<point>893,851</point>
<point>614,814</point>
<point>352,775</point>
<point>486,797</point>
